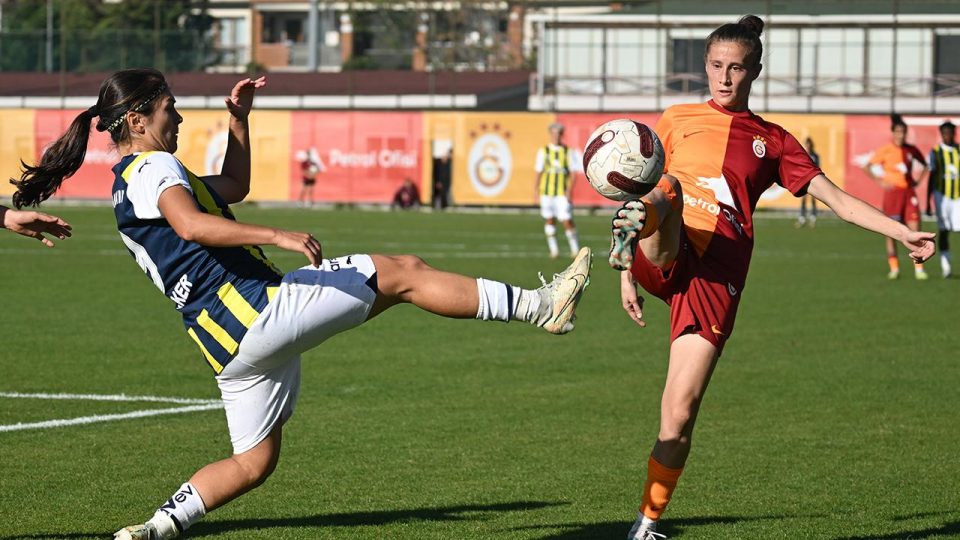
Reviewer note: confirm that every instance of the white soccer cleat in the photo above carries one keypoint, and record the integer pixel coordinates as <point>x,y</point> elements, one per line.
<point>559,298</point>
<point>627,224</point>
<point>160,527</point>
<point>641,531</point>
<point>144,531</point>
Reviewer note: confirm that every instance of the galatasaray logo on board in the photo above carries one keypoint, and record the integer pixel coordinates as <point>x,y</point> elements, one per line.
<point>490,160</point>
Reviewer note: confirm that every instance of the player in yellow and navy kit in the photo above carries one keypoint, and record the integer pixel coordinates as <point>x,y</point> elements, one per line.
<point>554,169</point>
<point>945,190</point>
<point>250,321</point>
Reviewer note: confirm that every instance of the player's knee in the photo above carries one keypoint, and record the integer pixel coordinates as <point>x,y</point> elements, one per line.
<point>676,424</point>
<point>411,263</point>
<point>257,466</point>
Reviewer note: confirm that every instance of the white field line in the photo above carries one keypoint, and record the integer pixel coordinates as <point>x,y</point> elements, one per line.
<point>111,397</point>
<point>190,405</point>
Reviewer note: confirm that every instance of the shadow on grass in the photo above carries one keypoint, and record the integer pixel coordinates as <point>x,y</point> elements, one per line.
<point>361,519</point>
<point>618,529</point>
<point>946,530</point>
<point>462,512</point>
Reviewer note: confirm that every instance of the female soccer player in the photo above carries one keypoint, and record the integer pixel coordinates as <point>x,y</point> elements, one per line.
<point>250,321</point>
<point>895,161</point>
<point>689,241</point>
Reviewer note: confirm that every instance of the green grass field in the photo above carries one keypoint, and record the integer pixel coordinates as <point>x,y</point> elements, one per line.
<point>834,413</point>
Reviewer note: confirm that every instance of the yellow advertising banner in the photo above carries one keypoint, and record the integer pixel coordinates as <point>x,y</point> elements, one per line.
<point>17,141</point>
<point>203,141</point>
<point>828,133</point>
<point>493,154</point>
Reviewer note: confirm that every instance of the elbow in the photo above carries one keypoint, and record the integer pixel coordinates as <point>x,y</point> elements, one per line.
<point>187,234</point>
<point>187,231</point>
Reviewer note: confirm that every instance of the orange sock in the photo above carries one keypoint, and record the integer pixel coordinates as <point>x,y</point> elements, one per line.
<point>661,481</point>
<point>918,267</point>
<point>894,263</point>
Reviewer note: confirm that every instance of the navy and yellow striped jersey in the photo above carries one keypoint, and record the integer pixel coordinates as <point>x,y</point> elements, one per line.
<point>945,170</point>
<point>218,291</point>
<point>555,174</point>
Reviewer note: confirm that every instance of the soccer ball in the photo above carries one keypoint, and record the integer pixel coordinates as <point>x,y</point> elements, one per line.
<point>623,160</point>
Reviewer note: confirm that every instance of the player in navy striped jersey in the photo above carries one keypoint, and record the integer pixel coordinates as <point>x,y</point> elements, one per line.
<point>250,321</point>
<point>944,190</point>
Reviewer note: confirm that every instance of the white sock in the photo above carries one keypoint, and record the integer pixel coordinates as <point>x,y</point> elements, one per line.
<point>650,524</point>
<point>185,507</point>
<point>551,232</point>
<point>573,240</point>
<point>498,301</point>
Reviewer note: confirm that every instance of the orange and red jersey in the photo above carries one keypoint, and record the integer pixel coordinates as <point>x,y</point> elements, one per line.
<point>897,163</point>
<point>724,161</point>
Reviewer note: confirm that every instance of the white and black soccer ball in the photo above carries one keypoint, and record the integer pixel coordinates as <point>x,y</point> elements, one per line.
<point>623,159</point>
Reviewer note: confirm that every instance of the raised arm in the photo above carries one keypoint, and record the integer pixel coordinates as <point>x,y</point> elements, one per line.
<point>854,210</point>
<point>233,182</point>
<point>181,212</point>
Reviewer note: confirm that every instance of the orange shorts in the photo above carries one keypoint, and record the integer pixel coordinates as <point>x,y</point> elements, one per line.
<point>701,300</point>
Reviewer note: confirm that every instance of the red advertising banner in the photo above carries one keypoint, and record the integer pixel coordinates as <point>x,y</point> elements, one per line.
<point>94,179</point>
<point>359,156</point>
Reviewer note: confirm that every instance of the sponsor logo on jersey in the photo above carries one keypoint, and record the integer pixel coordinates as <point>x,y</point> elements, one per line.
<point>759,146</point>
<point>719,187</point>
<point>716,330</point>
<point>118,197</point>
<point>181,291</point>
<point>731,289</point>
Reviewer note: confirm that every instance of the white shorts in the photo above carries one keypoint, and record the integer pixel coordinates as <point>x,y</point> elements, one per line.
<point>555,206</point>
<point>948,212</point>
<point>259,387</point>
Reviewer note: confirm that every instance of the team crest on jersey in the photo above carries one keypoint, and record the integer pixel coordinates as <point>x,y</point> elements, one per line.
<point>759,146</point>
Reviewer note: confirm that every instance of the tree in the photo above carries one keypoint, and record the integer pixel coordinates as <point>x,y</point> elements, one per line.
<point>95,35</point>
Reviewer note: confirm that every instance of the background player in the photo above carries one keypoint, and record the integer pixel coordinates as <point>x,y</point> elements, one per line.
<point>554,167</point>
<point>250,321</point>
<point>895,163</point>
<point>944,189</point>
<point>721,156</point>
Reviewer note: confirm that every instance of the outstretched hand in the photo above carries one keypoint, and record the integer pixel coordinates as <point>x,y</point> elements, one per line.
<point>241,97</point>
<point>35,224</point>
<point>920,245</point>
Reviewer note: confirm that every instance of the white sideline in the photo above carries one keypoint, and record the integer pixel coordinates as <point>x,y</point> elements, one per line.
<point>193,405</point>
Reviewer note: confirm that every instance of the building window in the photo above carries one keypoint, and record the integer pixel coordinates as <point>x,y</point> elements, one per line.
<point>686,66</point>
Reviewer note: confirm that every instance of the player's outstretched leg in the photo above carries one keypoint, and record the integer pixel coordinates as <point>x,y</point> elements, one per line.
<point>409,279</point>
<point>648,218</point>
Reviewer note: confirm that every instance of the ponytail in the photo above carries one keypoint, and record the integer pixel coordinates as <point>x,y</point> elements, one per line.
<point>59,162</point>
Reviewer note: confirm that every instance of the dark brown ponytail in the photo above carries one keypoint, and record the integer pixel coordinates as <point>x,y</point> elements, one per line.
<point>746,32</point>
<point>125,91</point>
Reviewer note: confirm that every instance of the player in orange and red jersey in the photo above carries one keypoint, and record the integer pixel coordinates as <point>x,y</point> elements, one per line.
<point>689,241</point>
<point>892,166</point>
